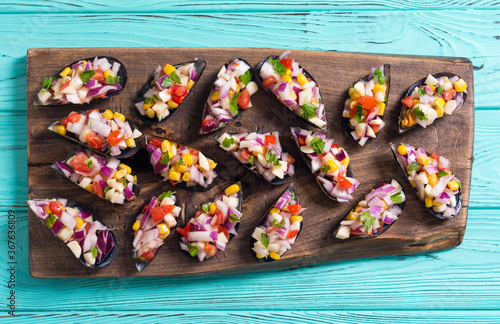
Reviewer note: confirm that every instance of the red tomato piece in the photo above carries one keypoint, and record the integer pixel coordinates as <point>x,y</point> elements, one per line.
<point>219,220</point>
<point>195,152</point>
<point>161,211</point>
<point>269,139</point>
<point>375,127</point>
<point>96,188</point>
<point>294,209</point>
<point>94,141</point>
<point>56,207</point>
<point>343,182</point>
<point>185,230</point>
<point>223,230</point>
<point>244,99</point>
<point>180,91</point>
<point>287,62</point>
<point>368,102</point>
<point>116,137</point>
<point>178,100</point>
<point>408,101</point>
<point>99,75</point>
<point>148,255</point>
<point>210,249</point>
<point>80,158</point>
<point>155,142</point>
<point>269,81</point>
<point>245,154</point>
<point>434,156</point>
<point>74,117</point>
<point>64,121</point>
<point>448,95</point>
<point>302,141</point>
<point>292,234</point>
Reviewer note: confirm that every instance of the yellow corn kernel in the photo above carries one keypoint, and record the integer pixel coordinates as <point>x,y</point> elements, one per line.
<point>238,88</point>
<point>274,211</point>
<point>166,146</point>
<point>174,175</point>
<point>47,210</point>
<point>108,73</point>
<point>119,174</point>
<point>288,71</point>
<point>412,183</point>
<point>381,108</point>
<point>188,159</point>
<point>296,218</point>
<point>172,104</point>
<point>146,106</point>
<point>287,78</point>
<point>293,95</point>
<point>378,88</point>
<point>186,177</point>
<point>404,122</point>
<point>65,72</point>
<point>274,255</point>
<point>353,94</point>
<point>440,111</point>
<point>402,149</point>
<point>460,85</point>
<point>415,101</point>
<point>428,202</point>
<point>130,142</point>
<point>423,159</point>
<point>353,104</point>
<point>180,168</point>
<point>345,162</point>
<point>433,88</point>
<point>232,189</point>
<point>212,209</point>
<point>352,215</point>
<point>435,203</point>
<point>163,229</point>
<point>136,225</point>
<point>125,167</point>
<point>150,113</point>
<point>332,166</point>
<point>89,188</point>
<point>60,129</point>
<point>301,78</point>
<point>215,96</point>
<point>439,102</point>
<point>163,236</point>
<point>357,209</point>
<point>433,179</point>
<point>211,164</point>
<point>190,85</point>
<point>167,68</point>
<point>108,114</point>
<point>119,116</point>
<point>453,185</point>
<point>259,256</point>
<point>79,222</point>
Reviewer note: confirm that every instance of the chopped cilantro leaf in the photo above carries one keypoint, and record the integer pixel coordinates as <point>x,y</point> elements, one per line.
<point>86,76</point>
<point>124,182</point>
<point>359,113</point>
<point>293,197</point>
<point>279,224</point>
<point>279,67</point>
<point>397,197</point>
<point>233,104</point>
<point>89,164</point>
<point>206,207</point>
<point>51,220</point>
<point>420,114</point>
<point>165,194</point>
<point>442,174</point>
<point>193,250</point>
<point>94,251</point>
<point>318,145</point>
<point>141,258</point>
<point>271,158</point>
<point>105,191</point>
<point>265,240</point>
<point>379,76</point>
<point>180,162</point>
<point>326,168</point>
<point>413,166</point>
<point>48,82</point>
<point>112,80</point>
<point>308,110</point>
<point>173,75</point>
<point>165,159</point>
<point>421,92</point>
<point>439,90</point>
<point>367,219</point>
<point>246,78</point>
<point>250,159</point>
<point>233,218</point>
<point>227,142</point>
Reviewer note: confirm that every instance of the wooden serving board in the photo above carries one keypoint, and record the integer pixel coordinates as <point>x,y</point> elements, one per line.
<point>417,231</point>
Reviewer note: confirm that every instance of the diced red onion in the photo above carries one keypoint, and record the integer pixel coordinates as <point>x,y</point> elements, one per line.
<point>151,204</point>
<point>56,228</point>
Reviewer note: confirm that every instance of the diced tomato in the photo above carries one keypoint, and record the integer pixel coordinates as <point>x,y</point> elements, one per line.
<point>96,188</point>
<point>375,128</point>
<point>368,102</point>
<point>245,154</point>
<point>74,117</point>
<point>184,231</point>
<point>302,140</point>
<point>335,145</point>
<point>180,91</point>
<point>269,139</point>
<point>194,152</point>
<point>292,234</point>
<point>220,218</point>
<point>65,85</point>
<point>178,100</point>
<point>434,156</point>
<point>161,211</point>
<point>287,62</point>
<point>408,101</point>
<point>207,122</point>
<point>294,209</point>
<point>343,182</point>
<point>116,137</point>
<point>269,81</point>
<point>448,94</point>
<point>223,230</point>
<point>93,140</point>
<point>148,255</point>
<point>81,157</point>
<point>353,112</point>
<point>79,163</point>
<point>155,142</point>
<point>64,121</point>
<point>56,207</point>
<point>90,111</point>
<point>99,75</point>
<point>290,159</point>
<point>210,249</point>
<point>244,99</point>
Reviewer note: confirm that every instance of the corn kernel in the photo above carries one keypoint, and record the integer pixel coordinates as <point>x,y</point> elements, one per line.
<point>108,73</point>
<point>180,168</point>
<point>402,149</point>
<point>174,175</point>
<point>381,108</point>
<point>188,159</point>
<point>315,101</point>
<point>453,185</point>
<point>460,85</point>
<point>130,142</point>
<point>287,78</point>
<point>215,96</point>
<point>172,104</point>
<point>232,189</point>
<point>167,69</point>
<point>274,210</point>
<point>65,72</point>
<point>146,106</point>
<point>212,209</point>
<point>352,215</point>
<point>293,95</point>
<point>211,164</point>
<point>353,94</point>
<point>166,146</point>
<point>288,71</point>
<point>79,222</point>
<point>186,177</point>
<point>433,88</point>
<point>108,114</point>
<point>136,225</point>
<point>47,210</point>
<point>440,111</point>
<point>428,202</point>
<point>415,101</point>
<point>162,237</point>
<point>332,166</point>
<point>439,102</point>
<point>435,203</point>
<point>345,162</point>
<point>89,188</point>
<point>125,167</point>
<point>378,88</point>
<point>238,88</point>
<point>119,116</point>
<point>60,129</point>
<point>301,78</point>
<point>296,218</point>
<point>119,174</point>
<point>433,179</point>
<point>259,256</point>
<point>357,209</point>
<point>423,159</point>
<point>353,104</point>
<point>274,256</point>
<point>150,113</point>
<point>412,183</point>
<point>163,229</point>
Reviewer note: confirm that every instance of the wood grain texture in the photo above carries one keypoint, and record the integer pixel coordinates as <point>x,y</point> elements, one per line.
<point>418,232</point>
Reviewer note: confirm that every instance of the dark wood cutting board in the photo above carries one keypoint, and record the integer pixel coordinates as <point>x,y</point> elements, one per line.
<point>417,231</point>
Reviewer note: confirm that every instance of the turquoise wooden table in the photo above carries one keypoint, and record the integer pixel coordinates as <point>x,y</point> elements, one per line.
<point>457,285</point>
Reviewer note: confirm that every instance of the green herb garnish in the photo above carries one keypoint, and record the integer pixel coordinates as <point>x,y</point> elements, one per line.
<point>48,82</point>
<point>308,110</point>
<point>326,168</point>
<point>359,113</point>
<point>193,250</point>
<point>271,158</point>
<point>165,194</point>
<point>265,240</point>
<point>94,251</point>
<point>180,162</point>
<point>250,159</point>
<point>442,174</point>
<point>397,197</point>
<point>293,197</point>
<point>439,90</point>
<point>106,189</point>
<point>233,104</point>
<point>279,67</point>
<point>279,224</point>
<point>318,145</point>
<point>367,219</point>
<point>89,164</point>
<point>246,78</point>
<point>227,142</point>
<point>112,80</point>
<point>51,220</point>
<point>205,207</point>
<point>413,166</point>
<point>233,218</point>
<point>165,159</point>
<point>421,92</point>
<point>141,258</point>
<point>124,181</point>
<point>151,100</point>
<point>420,114</point>
<point>87,75</point>
<point>379,76</point>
